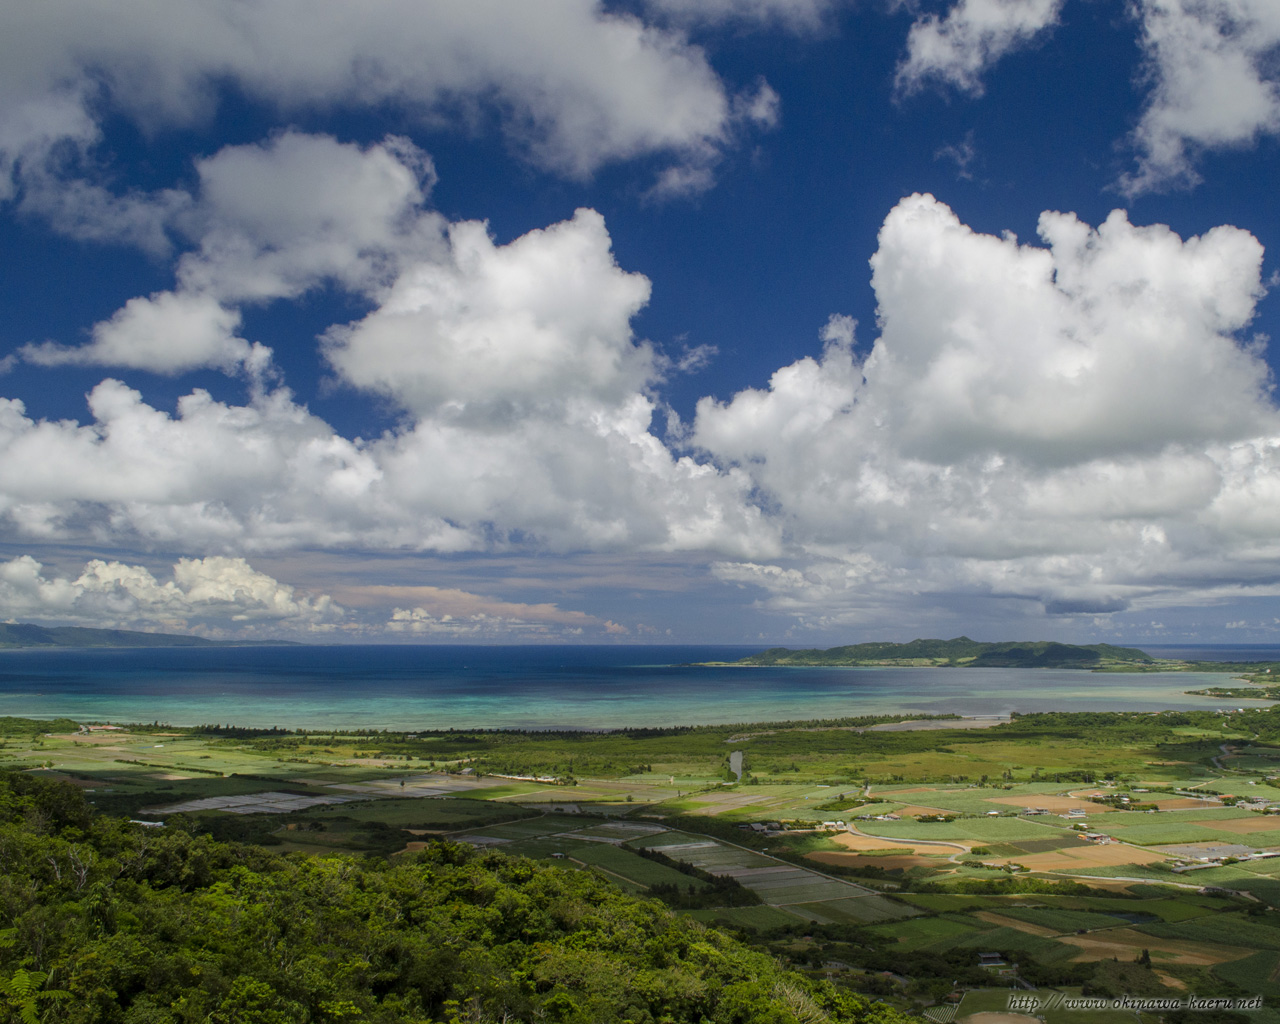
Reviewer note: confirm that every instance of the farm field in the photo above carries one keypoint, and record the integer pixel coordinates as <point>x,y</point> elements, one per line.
<point>1018,883</point>
<point>990,1006</point>
<point>980,830</point>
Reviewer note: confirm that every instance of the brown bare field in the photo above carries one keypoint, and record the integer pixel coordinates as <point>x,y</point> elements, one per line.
<point>1086,855</point>
<point>1053,803</point>
<point>92,739</point>
<point>991,917</point>
<point>911,810</point>
<point>1126,943</point>
<point>1240,826</point>
<point>863,860</point>
<point>1209,848</point>
<point>857,841</point>
<point>1184,803</point>
<point>714,804</point>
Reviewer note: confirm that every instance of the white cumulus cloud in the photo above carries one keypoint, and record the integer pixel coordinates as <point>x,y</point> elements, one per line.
<point>957,49</point>
<point>571,85</point>
<point>1083,423</point>
<point>270,221</point>
<point>1214,84</point>
<point>211,594</point>
<point>527,415</point>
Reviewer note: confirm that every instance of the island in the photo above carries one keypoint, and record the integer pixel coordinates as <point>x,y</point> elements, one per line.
<point>25,634</point>
<point>962,652</point>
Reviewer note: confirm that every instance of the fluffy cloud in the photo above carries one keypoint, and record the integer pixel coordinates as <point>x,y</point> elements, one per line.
<point>573,86</point>
<point>270,221</point>
<point>1079,424</point>
<point>448,612</point>
<point>166,333</point>
<point>1109,341</point>
<point>1210,65</point>
<point>527,416</point>
<point>1213,69</point>
<point>545,319</point>
<point>277,219</point>
<point>226,597</point>
<point>210,594</point>
<point>958,49</point>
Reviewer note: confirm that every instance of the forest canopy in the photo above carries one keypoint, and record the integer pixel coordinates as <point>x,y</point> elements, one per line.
<point>104,920</point>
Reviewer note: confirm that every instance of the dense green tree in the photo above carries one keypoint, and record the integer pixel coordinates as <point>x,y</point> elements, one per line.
<point>114,923</point>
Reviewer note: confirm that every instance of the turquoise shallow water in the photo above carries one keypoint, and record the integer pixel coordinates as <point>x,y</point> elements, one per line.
<point>426,687</point>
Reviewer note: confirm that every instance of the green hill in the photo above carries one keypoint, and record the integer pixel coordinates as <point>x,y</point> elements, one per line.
<point>108,922</point>
<point>961,652</point>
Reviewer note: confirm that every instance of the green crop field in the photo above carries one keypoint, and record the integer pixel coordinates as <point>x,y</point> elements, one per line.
<point>861,910</point>
<point>1254,973</point>
<point>1183,909</point>
<point>1174,833</point>
<point>1228,929</point>
<point>542,849</point>
<point>756,918</point>
<point>1139,871</point>
<point>814,891</point>
<point>1199,814</point>
<point>633,866</point>
<point>718,859</point>
<point>799,774</point>
<point>1063,920</point>
<point>864,910</point>
<point>541,826</point>
<point>926,932</point>
<point>1010,939</point>
<point>443,813</point>
<point>997,1001</point>
<point>944,902</point>
<point>1062,841</point>
<point>982,829</point>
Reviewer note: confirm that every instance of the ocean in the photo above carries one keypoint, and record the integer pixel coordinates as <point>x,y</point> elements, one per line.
<point>567,687</point>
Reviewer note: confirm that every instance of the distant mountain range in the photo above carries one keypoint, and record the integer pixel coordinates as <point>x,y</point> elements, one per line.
<point>24,634</point>
<point>960,652</point>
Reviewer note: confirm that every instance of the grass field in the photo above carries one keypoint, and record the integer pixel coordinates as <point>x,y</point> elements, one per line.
<point>1128,872</point>
<point>1183,908</point>
<point>1044,949</point>
<point>1232,929</point>
<point>755,918</point>
<point>964,829</point>
<point>924,933</point>
<point>1256,973</point>
<point>997,1001</point>
<point>441,813</point>
<point>864,910</point>
<point>634,867</point>
<point>1063,920</point>
<point>944,902</point>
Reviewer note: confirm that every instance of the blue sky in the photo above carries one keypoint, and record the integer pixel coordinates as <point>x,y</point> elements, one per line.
<point>779,321</point>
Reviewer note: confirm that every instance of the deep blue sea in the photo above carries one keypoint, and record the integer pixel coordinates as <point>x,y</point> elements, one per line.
<point>578,687</point>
